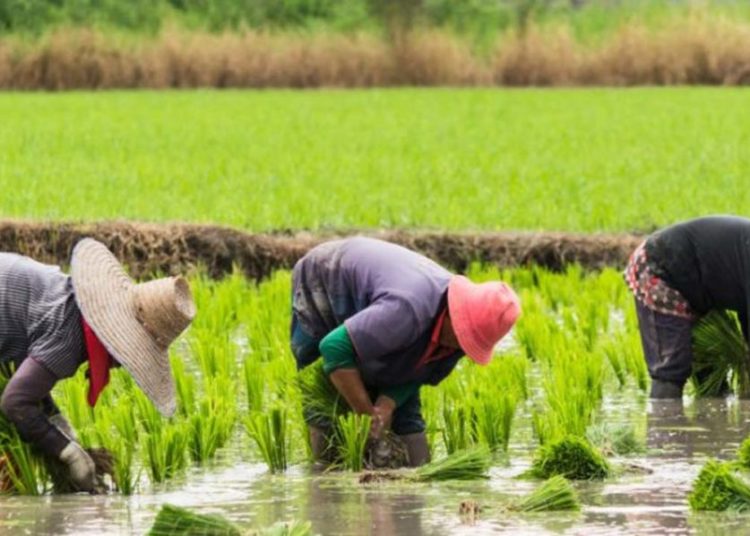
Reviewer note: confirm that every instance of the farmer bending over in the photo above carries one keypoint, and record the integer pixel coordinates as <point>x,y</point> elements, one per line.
<point>387,320</point>
<point>679,274</point>
<point>52,323</point>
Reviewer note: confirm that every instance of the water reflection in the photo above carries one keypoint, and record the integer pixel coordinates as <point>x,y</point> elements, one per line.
<point>680,437</point>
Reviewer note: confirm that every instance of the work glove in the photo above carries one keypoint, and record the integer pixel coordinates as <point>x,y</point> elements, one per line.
<point>81,466</point>
<point>63,425</point>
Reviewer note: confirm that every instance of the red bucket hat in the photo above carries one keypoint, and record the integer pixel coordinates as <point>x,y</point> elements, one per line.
<point>481,315</point>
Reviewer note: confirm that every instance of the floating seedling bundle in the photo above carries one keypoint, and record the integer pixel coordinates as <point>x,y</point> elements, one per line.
<point>720,354</point>
<point>555,494</point>
<point>572,457</point>
<point>469,464</point>
<point>719,488</point>
<point>175,521</point>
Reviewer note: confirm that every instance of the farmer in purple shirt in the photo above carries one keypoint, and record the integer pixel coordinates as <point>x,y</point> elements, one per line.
<point>385,321</point>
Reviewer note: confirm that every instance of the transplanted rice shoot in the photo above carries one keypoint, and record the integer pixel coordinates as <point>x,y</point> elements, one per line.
<point>352,433</point>
<point>719,488</point>
<point>269,432</point>
<point>554,494</point>
<point>572,457</point>
<point>720,353</point>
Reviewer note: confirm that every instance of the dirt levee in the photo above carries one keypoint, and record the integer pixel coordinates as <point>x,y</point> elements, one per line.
<point>179,248</point>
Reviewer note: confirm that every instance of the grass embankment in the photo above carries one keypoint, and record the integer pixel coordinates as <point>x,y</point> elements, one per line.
<point>578,160</point>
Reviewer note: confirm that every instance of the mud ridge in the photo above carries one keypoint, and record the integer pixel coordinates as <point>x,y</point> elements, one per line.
<point>172,248</point>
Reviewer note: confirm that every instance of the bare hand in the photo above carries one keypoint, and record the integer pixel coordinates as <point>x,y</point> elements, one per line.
<point>382,415</point>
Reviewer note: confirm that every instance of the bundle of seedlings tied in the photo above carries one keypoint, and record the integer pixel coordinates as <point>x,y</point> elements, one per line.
<point>175,521</point>
<point>572,457</point>
<point>718,488</point>
<point>469,464</point>
<point>720,354</point>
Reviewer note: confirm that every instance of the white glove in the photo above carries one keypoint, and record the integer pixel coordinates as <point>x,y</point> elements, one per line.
<point>64,426</point>
<point>81,466</point>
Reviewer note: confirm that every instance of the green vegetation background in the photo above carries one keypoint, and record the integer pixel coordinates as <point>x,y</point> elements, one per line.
<point>479,19</point>
<point>579,160</point>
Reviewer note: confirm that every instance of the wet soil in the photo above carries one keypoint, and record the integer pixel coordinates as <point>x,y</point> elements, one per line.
<point>172,248</point>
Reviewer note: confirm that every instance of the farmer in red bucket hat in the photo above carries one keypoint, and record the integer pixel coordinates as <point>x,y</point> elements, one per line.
<point>51,323</point>
<point>387,320</point>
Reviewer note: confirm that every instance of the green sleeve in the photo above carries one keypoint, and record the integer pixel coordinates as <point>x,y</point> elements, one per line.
<point>400,393</point>
<point>337,350</point>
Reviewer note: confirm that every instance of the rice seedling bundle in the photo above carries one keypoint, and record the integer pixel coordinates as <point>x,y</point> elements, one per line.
<point>269,432</point>
<point>572,457</point>
<point>320,399</point>
<point>176,521</point>
<point>554,494</point>
<point>353,432</point>
<point>718,488</point>
<point>166,451</point>
<point>720,353</point>
<point>468,464</point>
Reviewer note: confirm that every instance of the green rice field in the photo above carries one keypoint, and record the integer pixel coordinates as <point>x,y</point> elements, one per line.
<point>577,160</point>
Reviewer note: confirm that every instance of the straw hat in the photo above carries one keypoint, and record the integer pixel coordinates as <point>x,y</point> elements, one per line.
<point>136,323</point>
<point>481,315</point>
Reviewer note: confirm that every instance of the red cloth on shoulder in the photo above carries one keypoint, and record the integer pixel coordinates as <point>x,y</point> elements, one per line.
<point>99,363</point>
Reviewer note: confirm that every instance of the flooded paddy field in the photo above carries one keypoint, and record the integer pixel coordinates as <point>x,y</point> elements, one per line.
<point>577,347</point>
<point>680,438</point>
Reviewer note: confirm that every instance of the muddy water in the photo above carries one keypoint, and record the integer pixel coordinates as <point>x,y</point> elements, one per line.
<point>679,438</point>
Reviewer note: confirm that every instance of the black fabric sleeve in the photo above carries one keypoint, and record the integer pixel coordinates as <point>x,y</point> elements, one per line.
<point>23,403</point>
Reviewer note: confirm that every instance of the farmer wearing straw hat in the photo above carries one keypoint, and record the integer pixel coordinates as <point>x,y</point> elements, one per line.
<point>51,323</point>
<point>679,274</point>
<point>387,320</point>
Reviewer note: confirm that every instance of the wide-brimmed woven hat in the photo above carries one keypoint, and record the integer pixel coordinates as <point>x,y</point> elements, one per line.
<point>481,315</point>
<point>136,323</point>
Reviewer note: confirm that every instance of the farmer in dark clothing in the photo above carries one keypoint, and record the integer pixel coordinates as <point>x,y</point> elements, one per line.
<point>52,323</point>
<point>679,274</point>
<point>387,320</point>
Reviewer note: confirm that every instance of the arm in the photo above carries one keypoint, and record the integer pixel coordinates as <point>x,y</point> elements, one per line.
<point>22,405</point>
<point>339,363</point>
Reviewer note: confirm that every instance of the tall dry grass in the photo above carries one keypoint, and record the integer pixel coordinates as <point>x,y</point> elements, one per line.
<point>691,51</point>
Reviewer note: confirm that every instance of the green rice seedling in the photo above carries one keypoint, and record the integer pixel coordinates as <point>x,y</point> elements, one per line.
<point>468,464</point>
<point>166,451</point>
<point>554,494</point>
<point>459,427</point>
<point>269,432</point>
<point>320,399</point>
<point>720,352</point>
<point>184,386</point>
<point>572,457</point>
<point>21,470</point>
<point>175,521</point>
<point>494,417</point>
<point>743,453</point>
<point>117,432</point>
<point>353,432</point>
<point>211,425</point>
<point>215,353</point>
<point>147,415</point>
<point>717,488</point>
<point>255,383</point>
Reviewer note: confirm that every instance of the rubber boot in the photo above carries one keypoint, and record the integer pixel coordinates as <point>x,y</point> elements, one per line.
<point>665,390</point>
<point>417,448</point>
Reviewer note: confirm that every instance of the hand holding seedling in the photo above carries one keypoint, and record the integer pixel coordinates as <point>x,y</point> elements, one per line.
<point>382,416</point>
